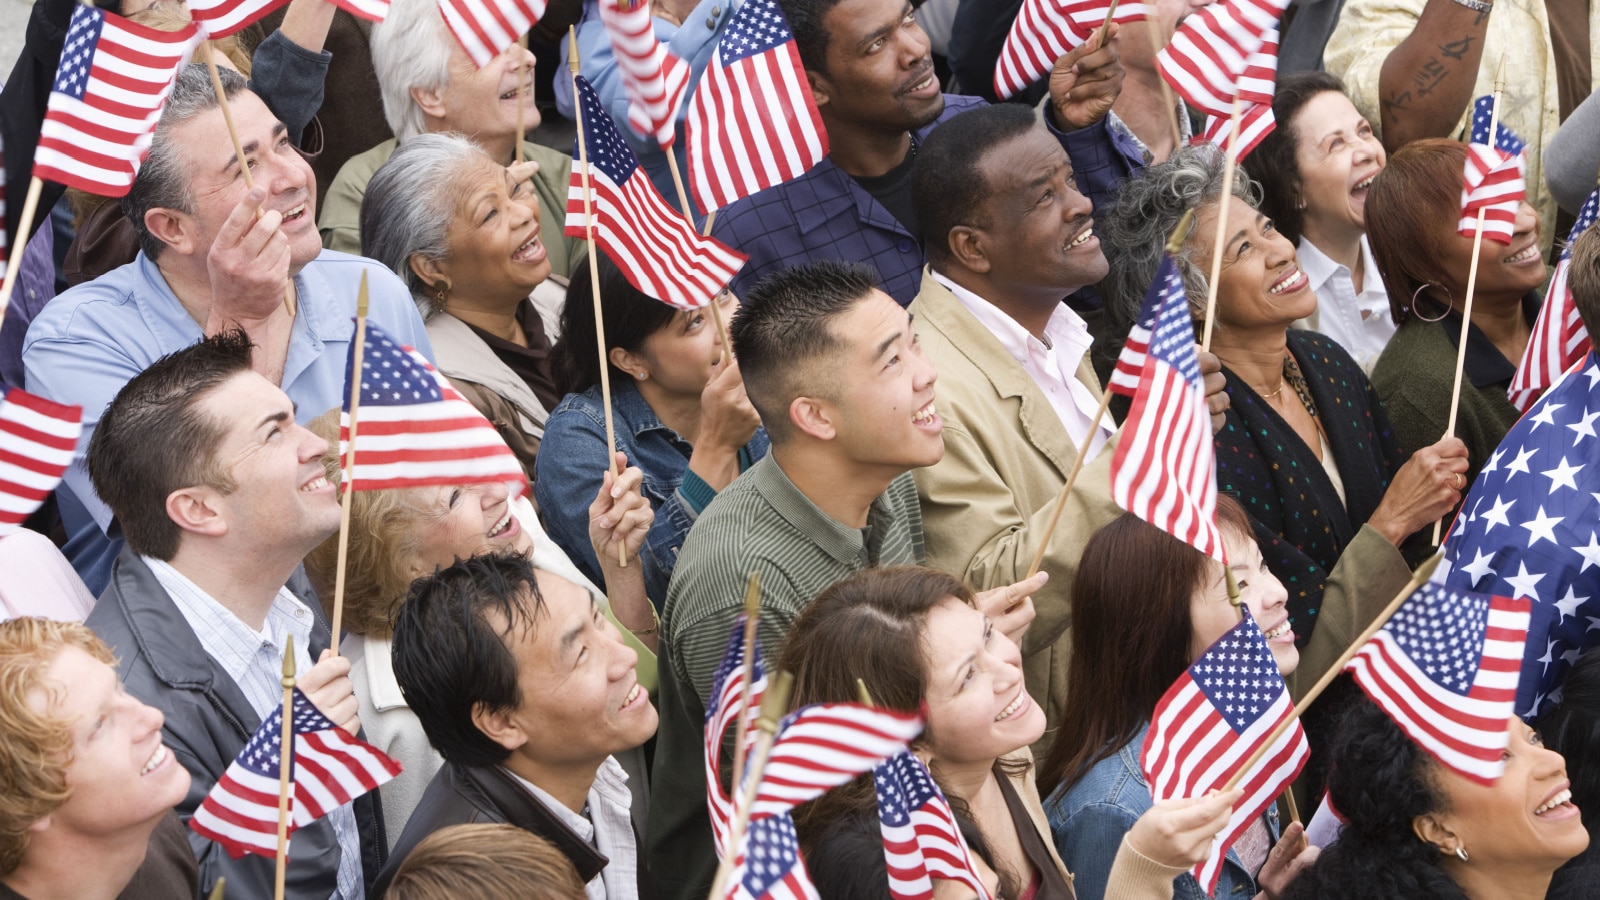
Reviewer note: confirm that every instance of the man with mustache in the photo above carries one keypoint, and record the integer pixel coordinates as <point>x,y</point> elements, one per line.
<point>208,264</point>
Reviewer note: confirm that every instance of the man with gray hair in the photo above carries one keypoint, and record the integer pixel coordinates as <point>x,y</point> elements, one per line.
<point>214,256</point>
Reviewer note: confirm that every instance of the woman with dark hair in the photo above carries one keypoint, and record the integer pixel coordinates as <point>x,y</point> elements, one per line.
<point>1414,828</point>
<point>1415,206</point>
<point>1315,169</point>
<point>1572,729</point>
<point>681,416</point>
<point>1096,786</point>
<point>914,638</point>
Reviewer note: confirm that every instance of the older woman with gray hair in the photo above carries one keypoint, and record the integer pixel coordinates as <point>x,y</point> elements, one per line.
<point>429,86</point>
<point>464,233</point>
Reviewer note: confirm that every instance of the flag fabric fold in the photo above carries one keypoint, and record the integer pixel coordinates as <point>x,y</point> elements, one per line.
<point>1257,85</point>
<point>653,244</point>
<point>728,689</point>
<point>1164,469</point>
<point>769,866</point>
<point>1559,341</point>
<point>1212,719</point>
<point>921,840</point>
<point>752,121</point>
<point>485,28</point>
<point>1212,48</point>
<point>1494,178</point>
<point>220,18</point>
<point>825,745</point>
<point>654,79</point>
<point>414,429</point>
<point>37,440</point>
<point>113,79</point>
<point>328,768</point>
<point>1044,31</point>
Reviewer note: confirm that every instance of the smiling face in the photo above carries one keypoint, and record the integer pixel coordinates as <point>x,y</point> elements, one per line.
<point>1211,614</point>
<point>462,521</point>
<point>1337,156</point>
<point>879,68</point>
<point>121,775</point>
<point>1261,285</point>
<point>978,706</point>
<point>482,103</point>
<point>681,356</point>
<point>1504,272</point>
<point>496,256</point>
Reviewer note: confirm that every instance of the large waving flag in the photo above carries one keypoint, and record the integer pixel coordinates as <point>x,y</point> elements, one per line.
<point>1445,669</point>
<point>1044,31</point>
<point>654,79</point>
<point>37,437</point>
<point>485,28</point>
<point>414,429</point>
<point>113,79</point>
<point>1256,87</point>
<point>328,768</point>
<point>728,691</point>
<point>1211,721</point>
<point>1165,467</point>
<point>220,18</point>
<point>921,840</point>
<point>1559,338</point>
<point>652,243</point>
<point>1212,48</point>
<point>752,120</point>
<point>824,745</point>
<point>1494,177</point>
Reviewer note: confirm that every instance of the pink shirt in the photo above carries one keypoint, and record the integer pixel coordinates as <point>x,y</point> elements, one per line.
<point>36,580</point>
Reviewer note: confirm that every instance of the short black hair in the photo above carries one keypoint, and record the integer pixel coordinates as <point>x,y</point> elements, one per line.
<point>630,314</point>
<point>451,649</point>
<point>1583,280</point>
<point>153,439</point>
<point>1273,162</point>
<point>810,35</point>
<point>782,326</point>
<point>952,155</point>
<point>1573,730</point>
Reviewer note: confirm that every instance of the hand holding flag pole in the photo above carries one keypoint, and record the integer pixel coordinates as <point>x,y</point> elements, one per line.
<point>348,464</point>
<point>1230,163</point>
<point>1105,29</point>
<point>285,769</point>
<point>1472,277</point>
<point>773,707</point>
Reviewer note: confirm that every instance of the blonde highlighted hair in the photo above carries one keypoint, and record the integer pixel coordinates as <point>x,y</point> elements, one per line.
<point>36,748</point>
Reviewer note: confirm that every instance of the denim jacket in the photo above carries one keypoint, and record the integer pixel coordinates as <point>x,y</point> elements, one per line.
<point>572,462</point>
<point>1089,820</point>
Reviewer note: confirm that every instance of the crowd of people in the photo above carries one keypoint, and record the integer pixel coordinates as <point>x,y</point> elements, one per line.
<point>913,362</point>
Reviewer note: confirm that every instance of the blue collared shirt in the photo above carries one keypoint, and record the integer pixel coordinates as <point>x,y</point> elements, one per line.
<point>94,338</point>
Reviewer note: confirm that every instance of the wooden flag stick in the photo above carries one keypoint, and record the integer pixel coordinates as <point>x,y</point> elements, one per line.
<point>683,204</point>
<point>594,277</point>
<point>1174,244</point>
<point>752,612</point>
<point>711,217</point>
<point>1472,282</point>
<point>1105,29</point>
<point>1418,578</point>
<point>1167,99</point>
<point>285,767</point>
<point>863,694</point>
<point>1230,162</point>
<point>30,205</point>
<point>522,97</point>
<point>773,707</point>
<point>347,466</point>
<point>217,889</point>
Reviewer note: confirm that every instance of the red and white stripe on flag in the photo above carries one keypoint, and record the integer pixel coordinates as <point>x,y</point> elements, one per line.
<point>1559,337</point>
<point>1256,87</point>
<point>113,78</point>
<point>485,28</point>
<point>1500,188</point>
<point>37,440</point>
<point>1044,31</point>
<point>220,18</point>
<point>752,121</point>
<point>655,80</point>
<point>1210,50</point>
<point>824,745</point>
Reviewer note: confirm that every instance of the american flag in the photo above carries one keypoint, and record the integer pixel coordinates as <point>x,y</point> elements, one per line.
<point>769,863</point>
<point>37,437</point>
<point>485,28</point>
<point>414,429</point>
<point>1165,467</point>
<point>113,78</point>
<point>328,769</point>
<point>220,18</point>
<point>1256,87</point>
<point>1044,31</point>
<point>1211,721</point>
<point>1528,528</point>
<point>728,689</point>
<point>825,745</point>
<point>652,243</point>
<point>654,79</point>
<point>1211,49</point>
<point>1559,339</point>
<point>1494,177</point>
<point>1445,669</point>
<point>920,837</point>
<point>752,121</point>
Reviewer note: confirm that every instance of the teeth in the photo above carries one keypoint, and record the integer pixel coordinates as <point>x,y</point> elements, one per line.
<point>525,248</point>
<point>1555,801</point>
<point>632,695</point>
<point>156,759</point>
<point>1087,233</point>
<point>1290,282</point>
<point>1366,182</point>
<point>502,525</point>
<point>1279,631</point>
<point>295,213</point>
<point>925,414</point>
<point>316,484</point>
<point>1012,707</point>
<point>1525,255</point>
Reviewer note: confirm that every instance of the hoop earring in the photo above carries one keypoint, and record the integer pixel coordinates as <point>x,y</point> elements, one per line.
<point>1418,292</point>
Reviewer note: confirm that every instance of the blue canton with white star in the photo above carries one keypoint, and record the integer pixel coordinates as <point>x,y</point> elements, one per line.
<point>757,27</point>
<point>773,850</point>
<point>77,52</point>
<point>1172,331</point>
<point>903,786</point>
<point>389,376</point>
<point>262,754</point>
<point>1443,633</point>
<point>1530,527</point>
<point>1505,139</point>
<point>607,151</point>
<point>1586,217</point>
<point>1238,675</point>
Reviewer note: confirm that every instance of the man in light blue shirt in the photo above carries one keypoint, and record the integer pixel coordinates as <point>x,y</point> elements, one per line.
<point>208,264</point>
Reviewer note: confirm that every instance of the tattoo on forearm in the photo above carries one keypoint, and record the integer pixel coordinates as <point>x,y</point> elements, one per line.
<point>1400,101</point>
<point>1457,49</point>
<point>1429,76</point>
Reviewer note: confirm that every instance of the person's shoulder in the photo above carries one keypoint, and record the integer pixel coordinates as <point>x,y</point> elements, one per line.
<point>1322,351</point>
<point>383,285</point>
<point>85,310</point>
<point>956,104</point>
<point>552,162</point>
<point>359,169</point>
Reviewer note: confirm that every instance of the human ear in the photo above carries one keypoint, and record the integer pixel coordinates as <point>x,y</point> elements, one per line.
<point>173,228</point>
<point>431,271</point>
<point>967,246</point>
<point>429,100</point>
<point>629,362</point>
<point>198,510</point>
<point>814,417</point>
<point>819,88</point>
<point>1433,830</point>
<point>499,726</point>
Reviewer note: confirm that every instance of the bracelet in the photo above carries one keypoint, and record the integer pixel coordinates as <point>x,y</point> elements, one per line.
<point>1477,6</point>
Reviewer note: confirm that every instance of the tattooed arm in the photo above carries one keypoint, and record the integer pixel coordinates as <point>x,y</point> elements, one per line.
<point>1426,82</point>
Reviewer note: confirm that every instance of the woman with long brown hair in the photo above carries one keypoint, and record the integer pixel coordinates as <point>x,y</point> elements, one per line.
<point>914,638</point>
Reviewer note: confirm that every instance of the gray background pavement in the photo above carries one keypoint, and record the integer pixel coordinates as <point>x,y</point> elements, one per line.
<point>13,22</point>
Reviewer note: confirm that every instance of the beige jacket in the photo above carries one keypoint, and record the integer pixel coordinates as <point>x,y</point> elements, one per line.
<point>986,505</point>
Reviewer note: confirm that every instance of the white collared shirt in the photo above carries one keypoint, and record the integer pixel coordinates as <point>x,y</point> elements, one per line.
<point>1359,322</point>
<point>609,829</point>
<point>254,660</point>
<point>1052,363</point>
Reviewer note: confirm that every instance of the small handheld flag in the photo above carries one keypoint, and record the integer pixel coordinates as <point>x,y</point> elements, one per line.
<point>1044,31</point>
<point>485,28</point>
<point>825,745</point>
<point>37,439</point>
<point>921,839</point>
<point>728,687</point>
<point>1211,49</point>
<point>769,866</point>
<point>1256,88</point>
<point>1494,179</point>
<point>655,80</point>
<point>1559,338</point>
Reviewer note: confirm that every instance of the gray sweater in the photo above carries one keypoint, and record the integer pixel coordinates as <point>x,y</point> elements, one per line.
<point>1572,158</point>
